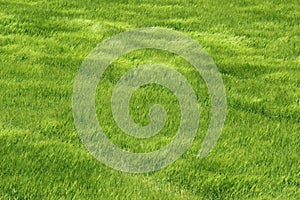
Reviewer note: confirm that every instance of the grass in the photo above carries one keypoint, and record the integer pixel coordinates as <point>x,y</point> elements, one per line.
<point>255,46</point>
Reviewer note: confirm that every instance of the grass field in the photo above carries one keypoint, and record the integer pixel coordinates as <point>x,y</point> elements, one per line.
<point>255,45</point>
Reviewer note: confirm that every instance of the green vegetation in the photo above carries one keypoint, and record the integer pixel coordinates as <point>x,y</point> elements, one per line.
<point>255,45</point>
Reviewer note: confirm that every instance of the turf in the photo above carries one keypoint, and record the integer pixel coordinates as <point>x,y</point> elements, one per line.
<point>255,45</point>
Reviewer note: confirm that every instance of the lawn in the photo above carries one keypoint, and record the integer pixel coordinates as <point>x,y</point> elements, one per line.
<point>255,45</point>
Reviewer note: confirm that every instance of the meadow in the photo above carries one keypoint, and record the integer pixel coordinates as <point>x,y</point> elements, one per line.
<point>255,45</point>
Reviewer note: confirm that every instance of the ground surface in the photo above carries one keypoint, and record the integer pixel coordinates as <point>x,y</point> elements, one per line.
<point>255,45</point>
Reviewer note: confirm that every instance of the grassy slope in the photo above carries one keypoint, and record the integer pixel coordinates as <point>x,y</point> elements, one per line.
<point>255,46</point>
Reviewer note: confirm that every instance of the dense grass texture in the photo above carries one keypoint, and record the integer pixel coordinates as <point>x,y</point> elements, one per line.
<point>255,45</point>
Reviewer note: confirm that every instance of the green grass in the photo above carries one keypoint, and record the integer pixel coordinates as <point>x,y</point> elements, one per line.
<point>255,45</point>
